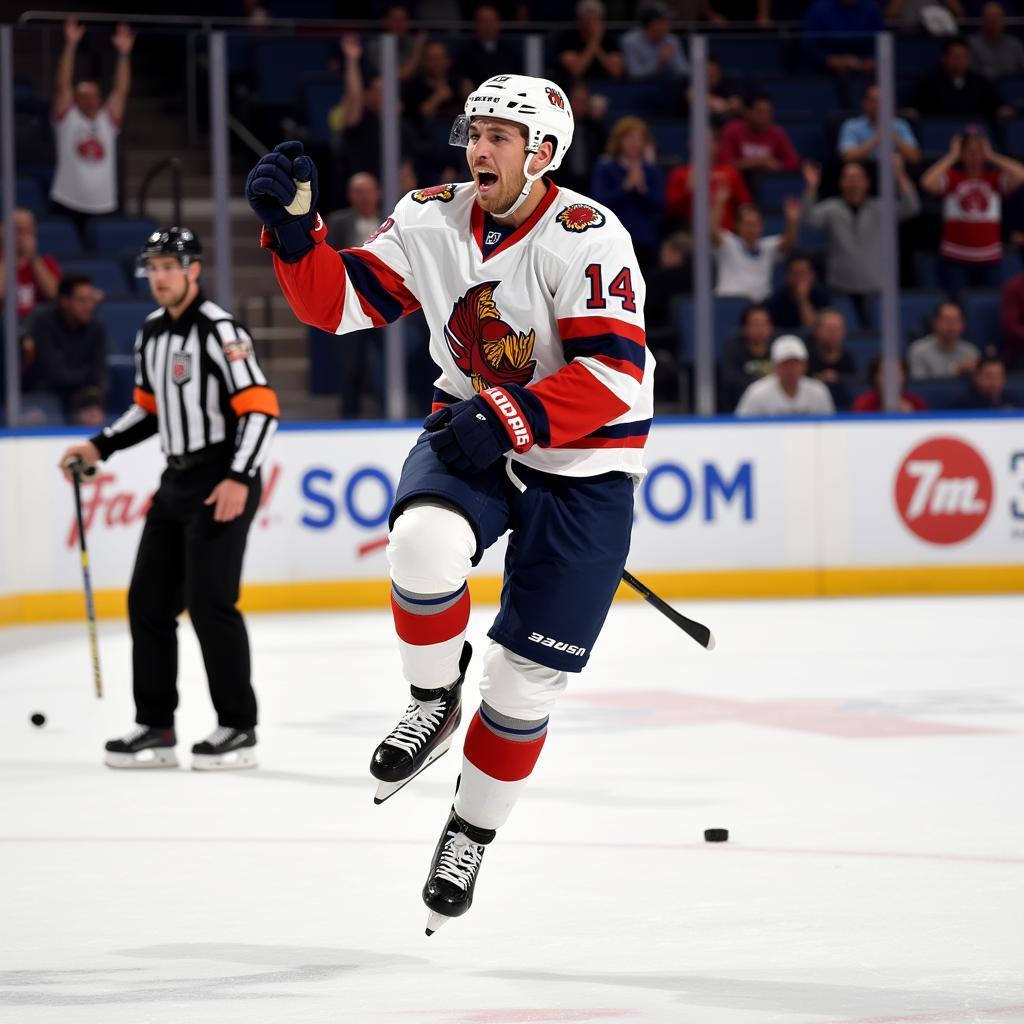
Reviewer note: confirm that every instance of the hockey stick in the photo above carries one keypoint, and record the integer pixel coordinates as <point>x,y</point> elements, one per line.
<point>692,629</point>
<point>79,469</point>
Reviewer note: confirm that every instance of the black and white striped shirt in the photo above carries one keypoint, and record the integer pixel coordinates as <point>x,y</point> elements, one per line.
<point>198,384</point>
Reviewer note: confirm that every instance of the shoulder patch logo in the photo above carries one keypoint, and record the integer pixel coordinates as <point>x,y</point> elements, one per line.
<point>555,98</point>
<point>386,226</point>
<point>442,193</point>
<point>579,217</point>
<point>237,349</point>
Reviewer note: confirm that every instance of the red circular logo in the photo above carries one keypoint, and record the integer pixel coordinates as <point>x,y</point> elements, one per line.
<point>944,490</point>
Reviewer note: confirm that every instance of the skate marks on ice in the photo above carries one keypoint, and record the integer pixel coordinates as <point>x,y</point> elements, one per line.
<point>281,966</point>
<point>907,1000</point>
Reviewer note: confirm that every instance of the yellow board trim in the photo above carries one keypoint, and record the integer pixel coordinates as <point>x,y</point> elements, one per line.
<point>740,583</point>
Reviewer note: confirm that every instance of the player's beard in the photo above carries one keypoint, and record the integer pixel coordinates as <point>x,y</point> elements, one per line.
<point>502,194</point>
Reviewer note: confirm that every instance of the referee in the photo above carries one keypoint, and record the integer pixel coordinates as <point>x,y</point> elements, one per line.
<point>198,385</point>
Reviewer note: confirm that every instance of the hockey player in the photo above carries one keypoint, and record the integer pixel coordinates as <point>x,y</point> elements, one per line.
<point>542,408</point>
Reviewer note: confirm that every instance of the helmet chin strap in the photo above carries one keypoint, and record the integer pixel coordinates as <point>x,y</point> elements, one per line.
<point>530,179</point>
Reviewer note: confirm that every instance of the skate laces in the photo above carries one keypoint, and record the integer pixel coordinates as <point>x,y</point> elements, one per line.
<point>133,734</point>
<point>459,860</point>
<point>420,720</point>
<point>218,736</point>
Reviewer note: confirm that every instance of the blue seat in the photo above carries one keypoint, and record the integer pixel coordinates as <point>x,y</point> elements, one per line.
<point>844,304</point>
<point>629,98</point>
<point>808,140</point>
<point>106,274</point>
<point>279,66</point>
<point>772,189</point>
<point>811,97</point>
<point>861,348</point>
<point>122,383</point>
<point>122,320</point>
<point>981,312</point>
<point>58,237</point>
<point>1013,132</point>
<point>916,54</point>
<point>1012,91</point>
<point>725,322</point>
<point>671,140</point>
<point>29,193</point>
<point>766,56</point>
<point>916,311</point>
<point>939,394</point>
<point>118,236</point>
<point>934,133</point>
<point>319,97</point>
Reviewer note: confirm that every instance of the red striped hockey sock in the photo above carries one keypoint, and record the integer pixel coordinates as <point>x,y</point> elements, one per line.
<point>431,629</point>
<point>497,759</point>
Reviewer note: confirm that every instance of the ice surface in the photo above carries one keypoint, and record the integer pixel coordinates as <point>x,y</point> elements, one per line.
<point>866,757</point>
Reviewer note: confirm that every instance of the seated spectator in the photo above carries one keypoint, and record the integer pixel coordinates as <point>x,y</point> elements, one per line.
<point>988,387</point>
<point>722,12</point>
<point>679,198</point>
<point>86,129</point>
<point>746,359</point>
<point>838,36</point>
<point>853,222</point>
<point>953,90</point>
<point>351,227</point>
<point>972,248</point>
<point>589,50</point>
<point>935,16</point>
<point>943,353</point>
<point>787,391</point>
<point>589,138</point>
<point>746,259</point>
<point>871,400</point>
<point>794,306</point>
<point>629,182</point>
<point>651,52</point>
<point>65,350</point>
<point>995,54</point>
<point>858,136</point>
<point>1011,321</point>
<point>725,99</point>
<point>755,143</point>
<point>830,362</point>
<point>433,93</point>
<point>485,50</point>
<point>36,275</point>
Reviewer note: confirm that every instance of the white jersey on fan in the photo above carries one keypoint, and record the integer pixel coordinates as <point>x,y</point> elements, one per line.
<point>86,177</point>
<point>545,321</point>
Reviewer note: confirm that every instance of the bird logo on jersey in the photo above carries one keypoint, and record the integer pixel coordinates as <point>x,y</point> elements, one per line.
<point>484,347</point>
<point>579,217</point>
<point>442,193</point>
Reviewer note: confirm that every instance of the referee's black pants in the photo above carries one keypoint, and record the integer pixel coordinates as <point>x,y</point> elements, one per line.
<point>187,561</point>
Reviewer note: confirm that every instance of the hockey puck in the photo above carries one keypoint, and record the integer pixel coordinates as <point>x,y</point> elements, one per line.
<point>38,718</point>
<point>716,835</point>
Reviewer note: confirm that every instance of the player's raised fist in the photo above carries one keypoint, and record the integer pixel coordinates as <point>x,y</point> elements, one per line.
<point>282,191</point>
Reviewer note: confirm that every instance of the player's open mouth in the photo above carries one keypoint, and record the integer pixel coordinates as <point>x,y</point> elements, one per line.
<point>485,181</point>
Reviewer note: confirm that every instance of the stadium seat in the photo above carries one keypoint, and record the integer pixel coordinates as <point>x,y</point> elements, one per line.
<point>861,347</point>
<point>916,311</point>
<point>122,320</point>
<point>805,96</point>
<point>279,66</point>
<point>739,56</point>
<point>319,97</point>
<point>1013,132</point>
<point>627,98</point>
<point>725,322</point>
<point>916,55</point>
<point>934,133</point>
<point>1012,91</point>
<point>981,312</point>
<point>671,140</point>
<point>116,237</point>
<point>772,189</point>
<point>29,193</point>
<point>58,237</point>
<point>939,394</point>
<point>122,383</point>
<point>106,274</point>
<point>808,140</point>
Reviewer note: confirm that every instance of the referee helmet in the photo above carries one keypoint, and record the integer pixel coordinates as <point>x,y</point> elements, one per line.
<point>178,242</point>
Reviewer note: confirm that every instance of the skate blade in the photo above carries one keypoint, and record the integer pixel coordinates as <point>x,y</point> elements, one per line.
<point>435,921</point>
<point>151,758</point>
<point>234,759</point>
<point>385,790</point>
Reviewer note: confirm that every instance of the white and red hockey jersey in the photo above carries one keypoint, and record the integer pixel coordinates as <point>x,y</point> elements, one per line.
<point>549,327</point>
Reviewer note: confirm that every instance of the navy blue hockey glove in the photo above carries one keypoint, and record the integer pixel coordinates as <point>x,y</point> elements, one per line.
<point>467,435</point>
<point>282,192</point>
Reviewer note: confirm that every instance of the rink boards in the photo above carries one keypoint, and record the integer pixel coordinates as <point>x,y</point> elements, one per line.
<point>757,508</point>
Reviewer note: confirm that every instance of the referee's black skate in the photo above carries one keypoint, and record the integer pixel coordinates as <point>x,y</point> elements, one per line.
<point>144,746</point>
<point>453,871</point>
<point>423,734</point>
<point>225,749</point>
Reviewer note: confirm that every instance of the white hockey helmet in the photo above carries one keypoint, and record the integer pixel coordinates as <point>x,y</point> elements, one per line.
<point>537,104</point>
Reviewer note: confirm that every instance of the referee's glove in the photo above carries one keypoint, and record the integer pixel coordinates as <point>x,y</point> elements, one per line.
<point>467,435</point>
<point>282,192</point>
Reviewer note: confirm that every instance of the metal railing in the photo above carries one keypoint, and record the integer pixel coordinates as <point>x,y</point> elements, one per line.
<point>173,165</point>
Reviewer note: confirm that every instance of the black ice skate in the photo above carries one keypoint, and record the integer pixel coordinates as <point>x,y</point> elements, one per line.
<point>425,732</point>
<point>142,747</point>
<point>449,889</point>
<point>224,749</point>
